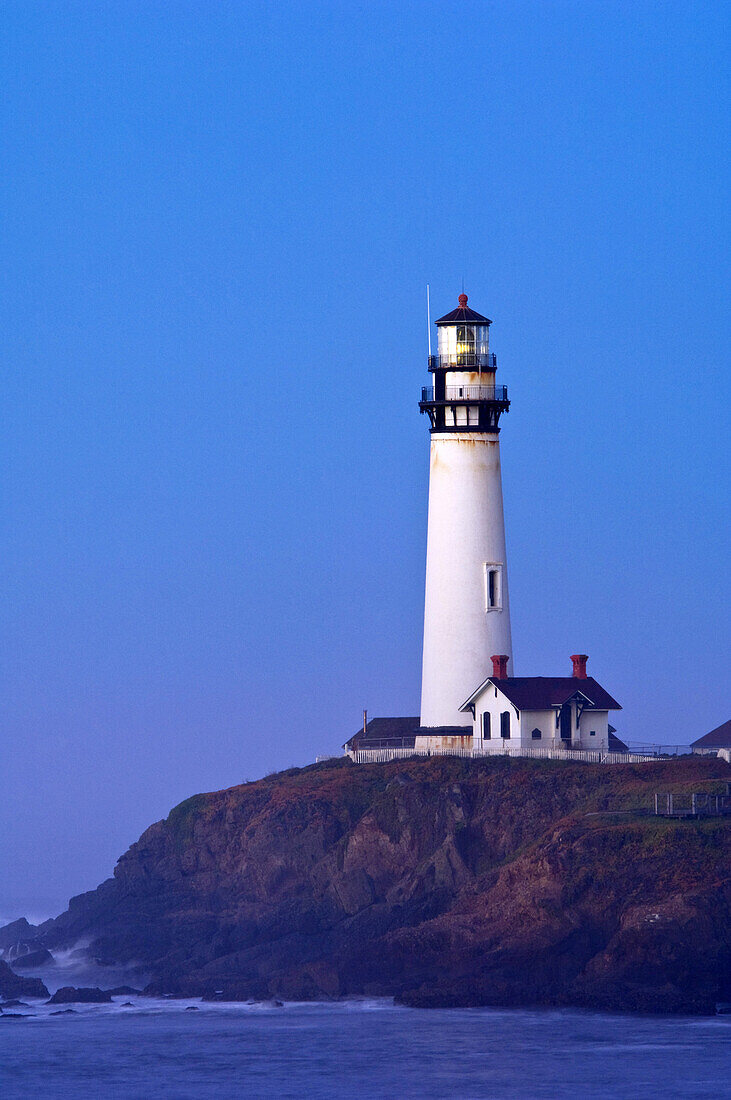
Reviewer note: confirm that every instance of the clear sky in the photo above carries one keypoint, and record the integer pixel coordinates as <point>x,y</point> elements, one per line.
<point>218,223</point>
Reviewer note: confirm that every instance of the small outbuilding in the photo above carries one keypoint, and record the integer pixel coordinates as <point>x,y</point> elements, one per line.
<point>710,743</point>
<point>533,712</point>
<point>384,733</point>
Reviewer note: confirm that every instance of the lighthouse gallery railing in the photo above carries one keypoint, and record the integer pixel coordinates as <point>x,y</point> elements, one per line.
<point>467,393</point>
<point>464,360</point>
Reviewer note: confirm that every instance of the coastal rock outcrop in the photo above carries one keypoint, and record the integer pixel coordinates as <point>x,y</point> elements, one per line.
<point>70,995</point>
<point>13,986</point>
<point>16,932</point>
<point>439,881</point>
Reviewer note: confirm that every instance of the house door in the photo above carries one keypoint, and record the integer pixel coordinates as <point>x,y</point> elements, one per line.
<point>565,722</point>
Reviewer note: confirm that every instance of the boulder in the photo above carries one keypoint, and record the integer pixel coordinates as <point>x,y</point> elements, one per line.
<point>69,995</point>
<point>13,985</point>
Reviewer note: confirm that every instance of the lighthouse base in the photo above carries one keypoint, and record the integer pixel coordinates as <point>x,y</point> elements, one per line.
<point>438,739</point>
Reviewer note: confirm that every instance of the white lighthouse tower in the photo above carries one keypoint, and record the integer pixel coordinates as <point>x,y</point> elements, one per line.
<point>466,612</point>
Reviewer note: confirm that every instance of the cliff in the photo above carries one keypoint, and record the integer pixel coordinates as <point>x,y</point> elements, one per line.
<point>438,881</point>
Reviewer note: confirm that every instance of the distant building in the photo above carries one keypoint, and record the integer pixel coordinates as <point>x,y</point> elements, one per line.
<point>384,733</point>
<point>710,743</point>
<point>615,744</point>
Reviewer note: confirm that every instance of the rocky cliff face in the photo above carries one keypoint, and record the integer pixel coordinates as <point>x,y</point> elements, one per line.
<point>440,881</point>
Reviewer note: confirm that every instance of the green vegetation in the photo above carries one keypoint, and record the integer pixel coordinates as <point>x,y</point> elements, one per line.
<point>181,819</point>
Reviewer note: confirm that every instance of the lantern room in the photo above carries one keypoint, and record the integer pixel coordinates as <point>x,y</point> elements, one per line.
<point>464,395</point>
<point>463,340</point>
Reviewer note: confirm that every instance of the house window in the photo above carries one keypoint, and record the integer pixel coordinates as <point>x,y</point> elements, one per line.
<point>486,726</point>
<point>536,734</point>
<point>592,733</point>
<point>505,725</point>
<point>493,586</point>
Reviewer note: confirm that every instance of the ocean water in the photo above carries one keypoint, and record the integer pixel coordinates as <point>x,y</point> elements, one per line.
<point>363,1049</point>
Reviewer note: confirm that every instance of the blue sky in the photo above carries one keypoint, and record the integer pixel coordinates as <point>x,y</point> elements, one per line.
<point>219,220</point>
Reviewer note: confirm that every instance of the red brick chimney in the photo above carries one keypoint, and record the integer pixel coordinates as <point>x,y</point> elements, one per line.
<point>579,662</point>
<point>500,666</point>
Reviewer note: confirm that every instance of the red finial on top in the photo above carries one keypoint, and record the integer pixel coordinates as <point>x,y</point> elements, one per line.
<point>462,301</point>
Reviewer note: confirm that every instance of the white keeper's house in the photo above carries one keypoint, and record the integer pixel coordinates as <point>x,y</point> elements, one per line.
<point>468,698</point>
<point>541,711</point>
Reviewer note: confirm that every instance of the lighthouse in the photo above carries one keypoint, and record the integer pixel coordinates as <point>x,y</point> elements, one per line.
<point>466,608</point>
<point>471,701</point>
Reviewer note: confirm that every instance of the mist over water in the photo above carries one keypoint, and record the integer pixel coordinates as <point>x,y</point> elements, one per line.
<point>72,966</point>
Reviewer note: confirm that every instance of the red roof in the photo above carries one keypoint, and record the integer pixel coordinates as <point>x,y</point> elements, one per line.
<point>720,738</point>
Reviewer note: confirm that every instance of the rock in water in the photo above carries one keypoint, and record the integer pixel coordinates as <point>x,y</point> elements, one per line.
<point>68,994</point>
<point>13,985</point>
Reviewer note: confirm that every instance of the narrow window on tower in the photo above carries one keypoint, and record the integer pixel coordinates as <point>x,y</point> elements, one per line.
<point>493,586</point>
<point>486,726</point>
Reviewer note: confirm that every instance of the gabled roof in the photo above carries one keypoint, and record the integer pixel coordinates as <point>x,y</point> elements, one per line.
<point>720,738</point>
<point>545,692</point>
<point>386,729</point>
<point>463,315</point>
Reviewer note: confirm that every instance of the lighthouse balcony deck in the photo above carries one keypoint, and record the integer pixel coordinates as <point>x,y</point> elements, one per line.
<point>464,361</point>
<point>459,394</point>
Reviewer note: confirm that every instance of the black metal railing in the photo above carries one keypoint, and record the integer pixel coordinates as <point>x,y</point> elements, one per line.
<point>464,361</point>
<point>466,393</point>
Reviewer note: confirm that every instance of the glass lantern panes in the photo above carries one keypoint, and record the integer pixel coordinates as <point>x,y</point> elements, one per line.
<point>464,345</point>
